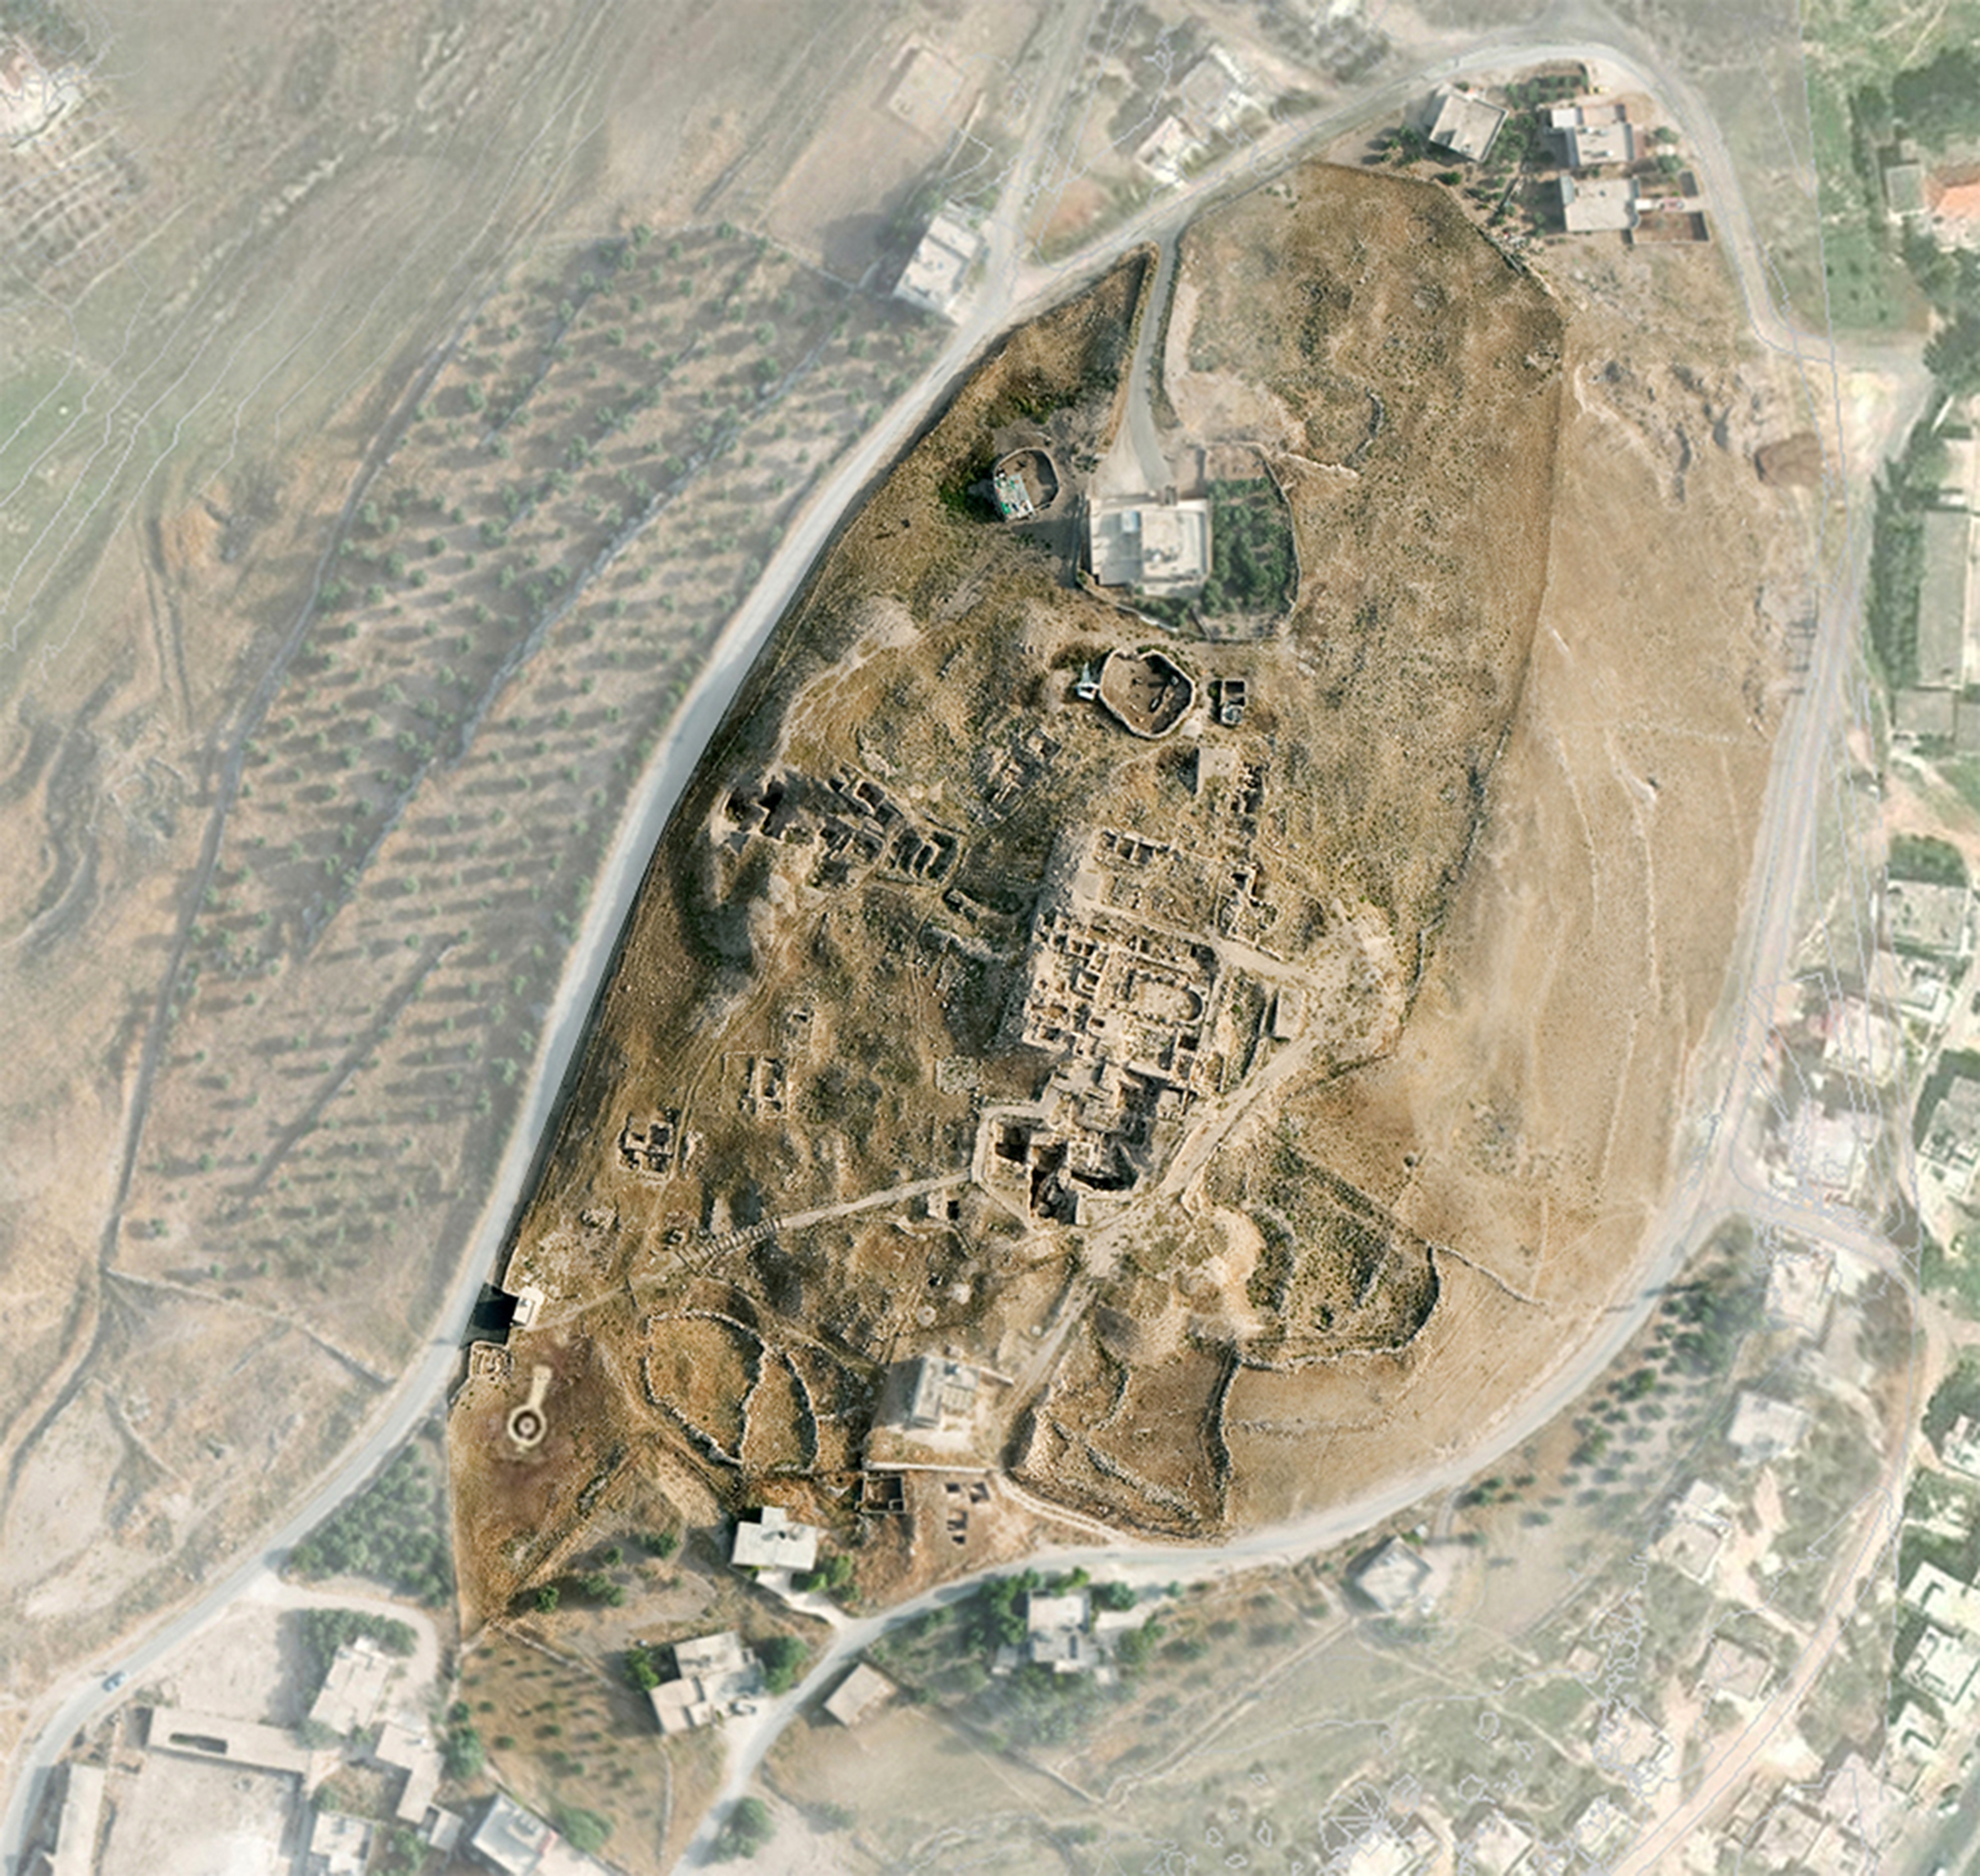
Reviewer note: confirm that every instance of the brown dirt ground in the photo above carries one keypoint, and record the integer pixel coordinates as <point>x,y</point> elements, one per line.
<point>1516,735</point>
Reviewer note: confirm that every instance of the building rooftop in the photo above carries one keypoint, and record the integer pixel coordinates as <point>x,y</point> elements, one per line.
<point>514,1840</point>
<point>863,1692</point>
<point>773,1541</point>
<point>1763,1428</point>
<point>1590,145</point>
<point>77,1823</point>
<point>1929,918</point>
<point>354,1688</point>
<point>240,1742</point>
<point>715,1676</point>
<point>1592,207</point>
<point>1215,92</point>
<point>935,274</point>
<point>1395,1578</point>
<point>942,1390</point>
<point>1462,123</point>
<point>1158,547</point>
<point>337,1845</point>
<point>1944,1664</point>
<point>1904,188</point>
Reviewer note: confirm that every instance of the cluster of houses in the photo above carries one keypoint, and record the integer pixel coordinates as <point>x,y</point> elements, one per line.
<point>1600,149</point>
<point>1939,1678</point>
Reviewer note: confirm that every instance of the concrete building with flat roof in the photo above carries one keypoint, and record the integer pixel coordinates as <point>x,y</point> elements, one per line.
<point>238,1742</point>
<point>938,269</point>
<point>943,1392</point>
<point>509,1839</point>
<point>715,1677</point>
<point>338,1845</point>
<point>1589,146</point>
<point>354,1688</point>
<point>1215,92</point>
<point>78,1822</point>
<point>1162,548</point>
<point>1463,123</point>
<point>1764,1428</point>
<point>772,1541</point>
<point>860,1694</point>
<point>1592,207</point>
<point>1929,918</point>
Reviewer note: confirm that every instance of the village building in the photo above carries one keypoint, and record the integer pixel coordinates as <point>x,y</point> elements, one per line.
<point>1951,1146</point>
<point>77,1823</point>
<point>1943,1664</point>
<point>33,99</point>
<point>338,1845</point>
<point>715,1678</point>
<point>400,1749</point>
<point>1463,123</point>
<point>1159,547</point>
<point>860,1695</point>
<point>1055,1633</point>
<point>1589,139</point>
<point>1734,1671</point>
<point>1861,1042</point>
<point>1599,1828</point>
<point>1801,1285</point>
<point>1494,1843</point>
<point>1930,918</point>
<point>1791,1837</point>
<point>1912,1742</point>
<point>1904,189</point>
<point>1942,1599</point>
<point>1764,1429</point>
<point>938,270</point>
<point>1959,1450</point>
<point>1593,206</point>
<point>1399,1580</point>
<point>509,1839</point>
<point>1215,93</point>
<point>238,1742</point>
<point>772,1541</point>
<point>1827,1149</point>
<point>1168,151</point>
<point>354,1688</point>
<point>942,1394</point>
<point>1628,1745</point>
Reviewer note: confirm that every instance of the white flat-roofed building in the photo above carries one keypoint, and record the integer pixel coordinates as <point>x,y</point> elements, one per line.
<point>1463,123</point>
<point>1764,1428</point>
<point>716,1676</point>
<point>1589,146</point>
<point>1591,206</point>
<point>772,1541</point>
<point>938,270</point>
<point>1158,547</point>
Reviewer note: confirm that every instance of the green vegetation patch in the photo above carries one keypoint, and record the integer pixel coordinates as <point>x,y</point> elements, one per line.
<point>394,1532</point>
<point>1926,858</point>
<point>1253,565</point>
<point>326,1631</point>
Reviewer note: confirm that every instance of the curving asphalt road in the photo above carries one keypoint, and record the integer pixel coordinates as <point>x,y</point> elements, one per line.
<point>1722,1189</point>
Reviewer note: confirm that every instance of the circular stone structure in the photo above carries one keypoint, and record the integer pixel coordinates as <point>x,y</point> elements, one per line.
<point>1146,692</point>
<point>527,1426</point>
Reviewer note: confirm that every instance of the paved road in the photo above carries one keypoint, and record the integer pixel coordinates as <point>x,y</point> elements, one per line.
<point>1805,749</point>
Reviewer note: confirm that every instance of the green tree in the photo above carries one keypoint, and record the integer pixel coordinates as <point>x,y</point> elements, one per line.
<point>584,1830</point>
<point>783,1658</point>
<point>746,1830</point>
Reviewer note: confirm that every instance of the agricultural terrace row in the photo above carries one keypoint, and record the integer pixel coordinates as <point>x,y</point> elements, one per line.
<point>591,480</point>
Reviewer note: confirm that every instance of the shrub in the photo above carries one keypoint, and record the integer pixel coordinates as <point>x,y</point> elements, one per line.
<point>746,1830</point>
